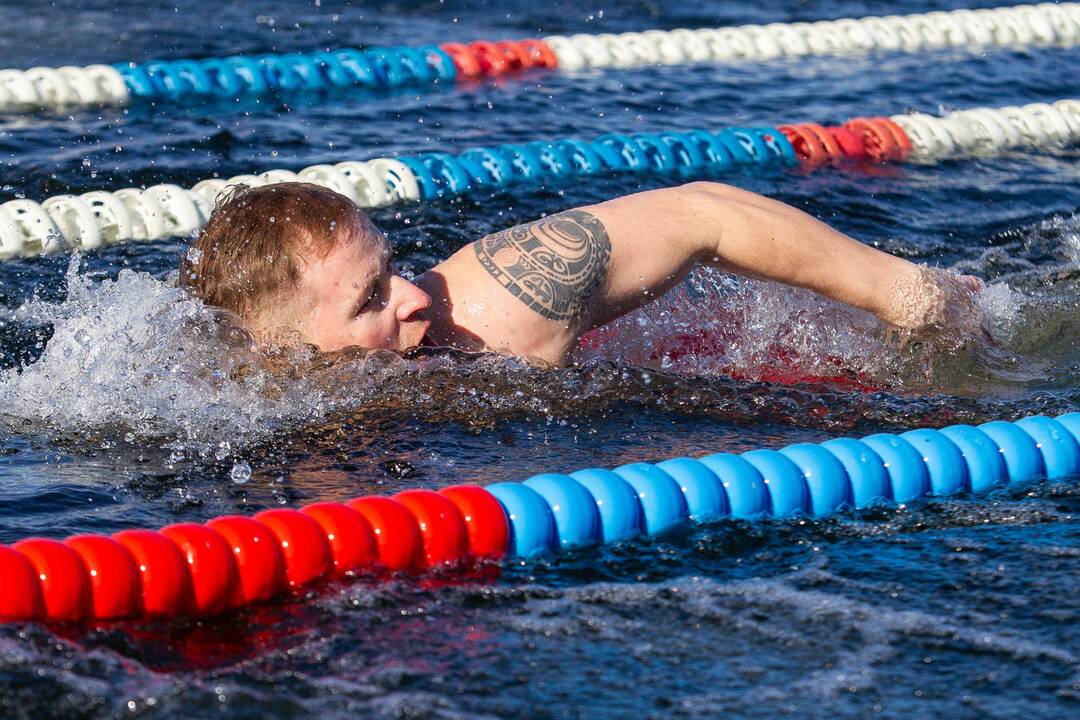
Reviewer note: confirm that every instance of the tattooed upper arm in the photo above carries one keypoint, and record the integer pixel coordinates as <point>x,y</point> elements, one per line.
<point>552,265</point>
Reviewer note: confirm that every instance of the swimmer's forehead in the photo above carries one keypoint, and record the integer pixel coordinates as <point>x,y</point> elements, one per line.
<point>354,264</point>
<point>361,230</point>
<point>370,252</point>
<point>372,244</point>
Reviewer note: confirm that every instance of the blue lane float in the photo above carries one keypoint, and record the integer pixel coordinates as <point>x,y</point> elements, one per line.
<point>550,512</point>
<point>384,68</point>
<point>747,495</point>
<point>621,515</point>
<point>440,174</point>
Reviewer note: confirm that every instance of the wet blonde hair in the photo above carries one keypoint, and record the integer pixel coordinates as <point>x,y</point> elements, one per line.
<point>248,257</point>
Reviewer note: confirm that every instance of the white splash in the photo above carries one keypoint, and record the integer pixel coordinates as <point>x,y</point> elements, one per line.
<point>1069,230</point>
<point>139,353</point>
<point>137,357</point>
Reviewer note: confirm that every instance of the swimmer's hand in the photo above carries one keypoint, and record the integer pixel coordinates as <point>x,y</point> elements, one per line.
<point>935,302</point>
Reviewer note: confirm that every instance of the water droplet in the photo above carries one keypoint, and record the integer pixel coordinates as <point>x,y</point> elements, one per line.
<point>241,473</point>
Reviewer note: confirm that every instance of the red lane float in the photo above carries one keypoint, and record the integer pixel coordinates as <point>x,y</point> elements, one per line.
<point>352,541</point>
<point>259,564</point>
<point>65,583</point>
<point>446,539</point>
<point>485,520</point>
<point>20,591</point>
<point>490,59</point>
<point>167,587</point>
<point>115,586</point>
<point>303,545</point>
<point>214,574</point>
<point>876,139</point>
<point>235,560</point>
<point>397,533</point>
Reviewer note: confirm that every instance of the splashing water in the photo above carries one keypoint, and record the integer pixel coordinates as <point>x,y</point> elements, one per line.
<point>139,356</point>
<point>717,324</point>
<point>720,325</point>
<point>138,353</point>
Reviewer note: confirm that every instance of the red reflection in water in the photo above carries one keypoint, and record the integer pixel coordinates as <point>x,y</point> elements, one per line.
<point>172,645</point>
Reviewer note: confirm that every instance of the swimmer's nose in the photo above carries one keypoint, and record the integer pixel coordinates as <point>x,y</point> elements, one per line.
<point>413,299</point>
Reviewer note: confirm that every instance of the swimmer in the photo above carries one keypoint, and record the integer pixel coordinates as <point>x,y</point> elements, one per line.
<point>301,262</point>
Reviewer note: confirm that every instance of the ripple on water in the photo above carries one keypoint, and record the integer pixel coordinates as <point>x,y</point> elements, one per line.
<point>123,403</point>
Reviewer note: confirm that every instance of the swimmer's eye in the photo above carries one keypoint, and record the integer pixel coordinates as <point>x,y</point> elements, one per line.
<point>376,292</point>
<point>360,307</point>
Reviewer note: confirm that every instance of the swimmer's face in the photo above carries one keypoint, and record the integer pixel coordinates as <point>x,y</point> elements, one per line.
<point>352,297</point>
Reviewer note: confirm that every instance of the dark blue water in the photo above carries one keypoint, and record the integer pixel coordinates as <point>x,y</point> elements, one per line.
<point>110,417</point>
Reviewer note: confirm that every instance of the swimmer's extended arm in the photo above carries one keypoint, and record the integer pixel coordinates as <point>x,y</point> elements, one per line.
<point>582,268</point>
<point>657,236</point>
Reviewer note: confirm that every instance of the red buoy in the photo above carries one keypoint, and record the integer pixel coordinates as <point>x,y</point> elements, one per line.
<point>116,589</point>
<point>396,533</point>
<point>446,539</point>
<point>352,541</point>
<point>489,529</point>
<point>167,588</point>
<point>213,570</point>
<point>258,558</point>
<point>65,583</point>
<point>302,542</point>
<point>20,588</point>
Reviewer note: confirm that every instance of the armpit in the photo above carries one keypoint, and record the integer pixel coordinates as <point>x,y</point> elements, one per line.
<point>552,265</point>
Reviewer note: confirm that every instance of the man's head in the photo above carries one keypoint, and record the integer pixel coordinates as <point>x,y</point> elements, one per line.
<point>296,258</point>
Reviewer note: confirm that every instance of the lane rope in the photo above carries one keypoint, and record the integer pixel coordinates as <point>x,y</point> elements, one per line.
<point>99,218</point>
<point>1045,23</point>
<point>233,561</point>
<point>388,68</point>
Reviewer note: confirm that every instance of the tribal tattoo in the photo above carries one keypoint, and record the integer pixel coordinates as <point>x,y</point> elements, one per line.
<point>552,265</point>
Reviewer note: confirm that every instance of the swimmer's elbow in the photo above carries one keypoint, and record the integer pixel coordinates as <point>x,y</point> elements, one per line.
<point>716,207</point>
<point>697,217</point>
<point>722,215</point>
<point>707,193</point>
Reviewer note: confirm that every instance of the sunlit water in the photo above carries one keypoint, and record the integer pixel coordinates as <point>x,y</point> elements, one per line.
<point>125,404</point>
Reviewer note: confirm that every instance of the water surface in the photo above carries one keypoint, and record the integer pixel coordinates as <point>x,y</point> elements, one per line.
<point>120,405</point>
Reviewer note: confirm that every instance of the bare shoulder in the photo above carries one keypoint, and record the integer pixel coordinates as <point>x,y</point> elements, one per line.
<point>552,265</point>
<point>524,290</point>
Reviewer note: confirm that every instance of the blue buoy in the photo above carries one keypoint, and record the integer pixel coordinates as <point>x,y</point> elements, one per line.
<point>747,494</point>
<point>661,499</point>
<point>532,528</point>
<point>944,461</point>
<point>788,493</point>
<point>577,521</point>
<point>908,476</point>
<point>865,470</point>
<point>621,516</point>
<point>825,477</point>
<point>1022,457</point>
<point>705,496</point>
<point>985,463</point>
<point>1061,454</point>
